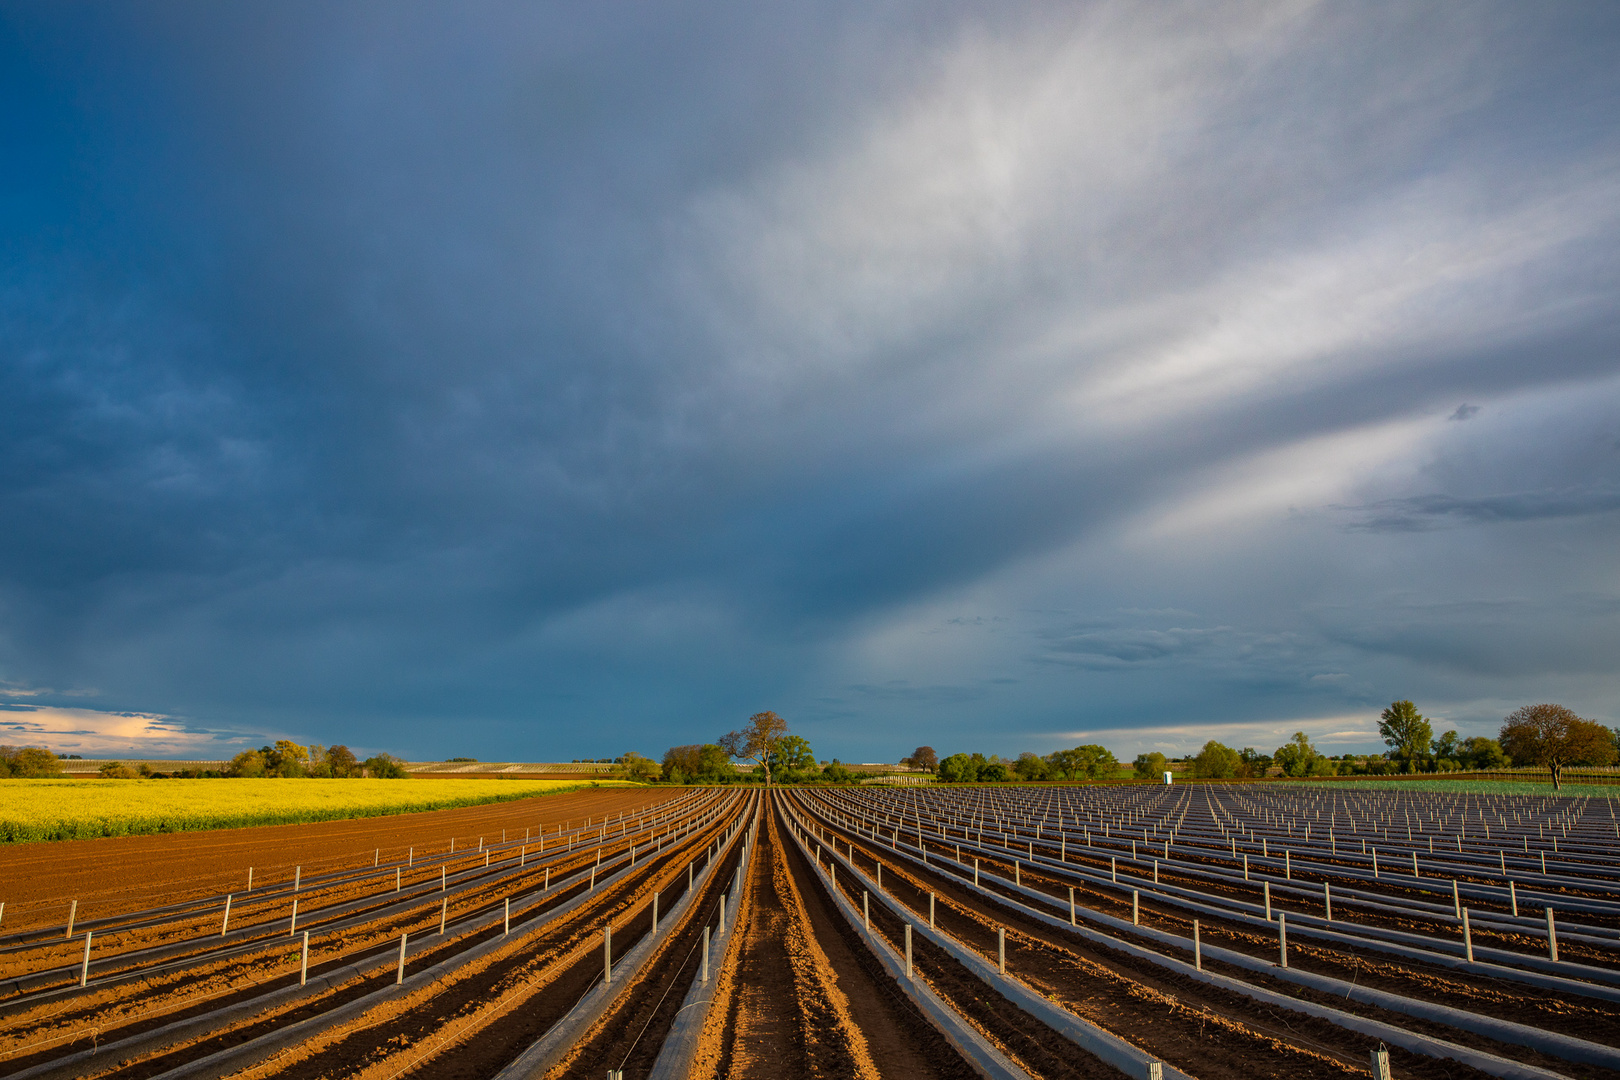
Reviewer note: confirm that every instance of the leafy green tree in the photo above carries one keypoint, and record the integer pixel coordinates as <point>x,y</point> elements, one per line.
<point>793,754</point>
<point>958,769</point>
<point>1031,767</point>
<point>1216,762</point>
<point>1298,757</point>
<point>117,770</point>
<point>1150,766</point>
<point>1255,764</point>
<point>714,763</point>
<point>291,759</point>
<point>634,766</point>
<point>994,772</point>
<point>1062,764</point>
<point>386,766</point>
<point>1096,762</point>
<point>1406,733</point>
<point>1446,752</point>
<point>698,763</point>
<point>1554,736</point>
<point>681,761</point>
<point>249,763</point>
<point>1479,752</point>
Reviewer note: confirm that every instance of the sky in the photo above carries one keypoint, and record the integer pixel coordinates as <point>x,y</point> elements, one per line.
<point>535,381</point>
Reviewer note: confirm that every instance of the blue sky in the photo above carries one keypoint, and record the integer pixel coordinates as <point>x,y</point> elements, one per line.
<point>542,381</point>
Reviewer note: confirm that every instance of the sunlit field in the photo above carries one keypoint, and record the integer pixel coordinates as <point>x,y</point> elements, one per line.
<point>79,809</point>
<point>1475,787</point>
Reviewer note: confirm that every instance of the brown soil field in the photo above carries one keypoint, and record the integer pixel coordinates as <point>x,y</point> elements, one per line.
<point>112,874</point>
<point>464,966</point>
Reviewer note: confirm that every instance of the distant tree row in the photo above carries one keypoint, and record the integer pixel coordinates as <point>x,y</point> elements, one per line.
<point>289,759</point>
<point>1547,736</point>
<point>1089,762</point>
<point>779,757</point>
<point>285,758</point>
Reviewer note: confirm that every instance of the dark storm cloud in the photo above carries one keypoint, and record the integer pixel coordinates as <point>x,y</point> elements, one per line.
<point>517,382</point>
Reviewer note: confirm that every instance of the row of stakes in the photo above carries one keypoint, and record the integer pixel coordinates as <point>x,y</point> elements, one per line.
<point>1379,1058</point>
<point>376,856</point>
<point>1279,917</point>
<point>292,927</point>
<point>506,929</point>
<point>1459,912</point>
<point>1378,1064</point>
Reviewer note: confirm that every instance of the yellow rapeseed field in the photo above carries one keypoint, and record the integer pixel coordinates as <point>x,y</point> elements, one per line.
<point>79,809</point>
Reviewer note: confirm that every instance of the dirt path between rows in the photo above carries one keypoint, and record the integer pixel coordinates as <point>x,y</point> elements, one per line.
<point>803,997</point>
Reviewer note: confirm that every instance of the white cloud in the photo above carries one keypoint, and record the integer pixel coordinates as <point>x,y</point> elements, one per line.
<point>92,733</point>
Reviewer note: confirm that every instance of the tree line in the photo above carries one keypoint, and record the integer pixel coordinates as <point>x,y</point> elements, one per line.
<point>1547,736</point>
<point>778,754</point>
<point>289,759</point>
<point>284,758</point>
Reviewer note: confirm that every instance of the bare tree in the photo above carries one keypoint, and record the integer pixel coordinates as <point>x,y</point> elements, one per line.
<point>757,741</point>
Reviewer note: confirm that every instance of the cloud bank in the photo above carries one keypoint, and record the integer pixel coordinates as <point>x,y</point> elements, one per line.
<point>524,384</point>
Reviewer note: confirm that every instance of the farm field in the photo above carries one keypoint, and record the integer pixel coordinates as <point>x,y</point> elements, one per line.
<point>57,809</point>
<point>1220,932</point>
<point>1572,787</point>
